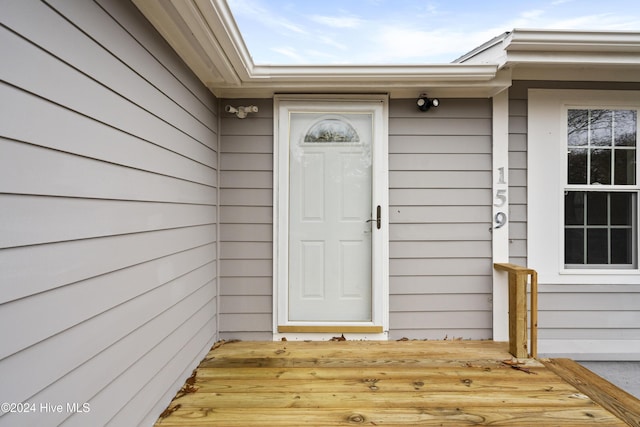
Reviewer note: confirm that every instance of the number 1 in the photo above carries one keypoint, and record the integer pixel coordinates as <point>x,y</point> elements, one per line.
<point>501,176</point>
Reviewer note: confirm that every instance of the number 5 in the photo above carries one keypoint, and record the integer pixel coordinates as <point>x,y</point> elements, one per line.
<point>501,197</point>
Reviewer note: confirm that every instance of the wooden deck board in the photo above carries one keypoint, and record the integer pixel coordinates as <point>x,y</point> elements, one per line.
<point>459,416</point>
<point>617,401</point>
<point>406,383</point>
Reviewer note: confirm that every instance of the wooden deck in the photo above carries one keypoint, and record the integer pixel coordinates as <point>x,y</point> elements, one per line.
<point>401,383</point>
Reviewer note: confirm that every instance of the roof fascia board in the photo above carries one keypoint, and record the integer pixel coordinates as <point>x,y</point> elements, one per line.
<point>377,73</point>
<point>205,35</point>
<point>574,72</point>
<point>555,47</point>
<point>255,91</point>
<point>165,18</point>
<point>572,41</point>
<point>206,39</point>
<point>222,24</point>
<point>572,48</point>
<point>610,59</point>
<point>395,87</point>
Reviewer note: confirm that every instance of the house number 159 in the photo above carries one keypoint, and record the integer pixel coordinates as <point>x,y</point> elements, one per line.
<point>500,200</point>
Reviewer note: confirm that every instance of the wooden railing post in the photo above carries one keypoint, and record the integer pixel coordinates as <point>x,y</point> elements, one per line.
<point>518,278</point>
<point>518,314</point>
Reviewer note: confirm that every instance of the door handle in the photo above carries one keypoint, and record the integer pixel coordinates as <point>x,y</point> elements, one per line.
<point>378,219</point>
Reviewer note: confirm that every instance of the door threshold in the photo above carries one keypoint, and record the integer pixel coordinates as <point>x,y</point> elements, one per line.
<point>330,332</point>
<point>331,328</point>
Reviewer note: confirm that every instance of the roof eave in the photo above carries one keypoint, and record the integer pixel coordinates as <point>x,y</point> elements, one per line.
<point>558,48</point>
<point>523,40</point>
<point>394,88</point>
<point>206,36</point>
<point>573,55</point>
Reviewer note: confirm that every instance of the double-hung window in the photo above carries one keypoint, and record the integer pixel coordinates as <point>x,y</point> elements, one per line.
<point>583,188</point>
<point>600,195</point>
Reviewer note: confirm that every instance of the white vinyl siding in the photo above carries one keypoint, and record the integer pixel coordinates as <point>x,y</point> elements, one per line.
<point>108,193</point>
<point>517,179</point>
<point>440,220</point>
<point>246,222</point>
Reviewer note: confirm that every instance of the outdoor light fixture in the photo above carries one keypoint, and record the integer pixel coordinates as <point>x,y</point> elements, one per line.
<point>424,103</point>
<point>241,112</point>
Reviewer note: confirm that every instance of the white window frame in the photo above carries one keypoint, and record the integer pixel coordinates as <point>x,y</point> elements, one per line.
<point>546,176</point>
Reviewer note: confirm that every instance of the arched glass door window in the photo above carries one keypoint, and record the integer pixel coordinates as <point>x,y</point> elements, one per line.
<point>331,130</point>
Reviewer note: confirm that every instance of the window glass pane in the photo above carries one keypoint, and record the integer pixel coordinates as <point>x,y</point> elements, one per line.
<point>621,246</point>
<point>601,127</point>
<point>577,166</point>
<point>609,234</point>
<point>601,167</point>
<point>625,167</point>
<point>597,208</point>
<point>597,246</point>
<point>625,127</point>
<point>601,226</point>
<point>578,127</point>
<point>574,208</point>
<point>622,208</point>
<point>574,246</point>
<point>332,130</point>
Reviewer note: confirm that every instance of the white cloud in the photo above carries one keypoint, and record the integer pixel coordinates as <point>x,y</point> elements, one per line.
<point>337,21</point>
<point>532,14</point>
<point>600,22</point>
<point>554,19</point>
<point>290,53</point>
<point>329,41</point>
<point>256,11</point>
<point>324,57</point>
<point>398,44</point>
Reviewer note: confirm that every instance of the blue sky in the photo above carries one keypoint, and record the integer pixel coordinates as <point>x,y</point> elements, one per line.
<point>299,32</point>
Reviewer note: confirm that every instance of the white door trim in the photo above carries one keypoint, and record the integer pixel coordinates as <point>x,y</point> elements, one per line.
<point>378,105</point>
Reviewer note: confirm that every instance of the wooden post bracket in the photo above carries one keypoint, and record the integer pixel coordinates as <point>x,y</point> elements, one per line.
<point>518,278</point>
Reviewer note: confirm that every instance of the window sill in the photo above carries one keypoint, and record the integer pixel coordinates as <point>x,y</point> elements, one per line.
<point>589,277</point>
<point>599,271</point>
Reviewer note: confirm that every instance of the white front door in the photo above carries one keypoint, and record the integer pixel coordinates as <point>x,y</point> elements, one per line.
<point>331,208</point>
<point>329,211</point>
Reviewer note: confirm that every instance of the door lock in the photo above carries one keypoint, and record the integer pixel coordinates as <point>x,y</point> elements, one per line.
<point>378,218</point>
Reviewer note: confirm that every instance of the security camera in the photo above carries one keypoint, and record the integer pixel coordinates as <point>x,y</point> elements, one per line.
<point>230,109</point>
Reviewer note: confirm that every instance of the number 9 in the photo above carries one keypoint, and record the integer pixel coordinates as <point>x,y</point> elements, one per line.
<point>501,219</point>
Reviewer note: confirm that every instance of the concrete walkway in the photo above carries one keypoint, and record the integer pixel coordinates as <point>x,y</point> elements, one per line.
<point>625,375</point>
